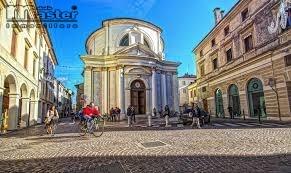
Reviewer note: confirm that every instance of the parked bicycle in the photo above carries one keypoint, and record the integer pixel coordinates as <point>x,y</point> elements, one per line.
<point>95,126</point>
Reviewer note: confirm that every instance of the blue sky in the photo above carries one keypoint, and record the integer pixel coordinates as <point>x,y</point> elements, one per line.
<point>184,24</point>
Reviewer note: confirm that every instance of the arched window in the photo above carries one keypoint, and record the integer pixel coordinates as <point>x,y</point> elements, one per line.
<point>146,43</point>
<point>124,41</point>
<point>219,103</point>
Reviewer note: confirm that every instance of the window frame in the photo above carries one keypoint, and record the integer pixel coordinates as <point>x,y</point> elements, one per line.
<point>248,47</point>
<point>26,57</point>
<point>231,55</point>
<point>123,42</point>
<point>202,70</point>
<point>14,42</point>
<point>288,60</point>
<point>213,42</point>
<point>226,30</point>
<point>244,14</point>
<point>215,64</point>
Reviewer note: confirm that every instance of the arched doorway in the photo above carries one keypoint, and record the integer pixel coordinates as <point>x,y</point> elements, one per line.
<point>256,98</point>
<point>138,96</point>
<point>219,103</point>
<point>234,100</point>
<point>9,108</point>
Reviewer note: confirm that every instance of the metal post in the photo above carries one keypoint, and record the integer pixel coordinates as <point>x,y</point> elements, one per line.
<point>244,114</point>
<point>259,116</point>
<point>278,102</point>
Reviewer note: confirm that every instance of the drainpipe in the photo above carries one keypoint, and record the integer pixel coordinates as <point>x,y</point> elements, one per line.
<point>275,89</point>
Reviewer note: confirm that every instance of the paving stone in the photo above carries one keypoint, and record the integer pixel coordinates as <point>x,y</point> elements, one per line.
<point>220,149</point>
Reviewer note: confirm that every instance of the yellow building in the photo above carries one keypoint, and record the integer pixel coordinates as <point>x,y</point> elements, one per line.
<point>193,95</point>
<point>21,55</point>
<point>244,62</point>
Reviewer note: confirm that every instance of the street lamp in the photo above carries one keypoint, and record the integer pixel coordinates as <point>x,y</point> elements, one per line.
<point>272,84</point>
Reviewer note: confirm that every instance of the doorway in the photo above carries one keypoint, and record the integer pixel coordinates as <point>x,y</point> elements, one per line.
<point>256,98</point>
<point>138,96</point>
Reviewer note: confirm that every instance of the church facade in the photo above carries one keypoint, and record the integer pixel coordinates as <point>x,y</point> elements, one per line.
<point>125,65</point>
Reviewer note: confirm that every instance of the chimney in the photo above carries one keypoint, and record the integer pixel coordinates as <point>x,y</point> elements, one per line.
<point>217,15</point>
<point>222,14</point>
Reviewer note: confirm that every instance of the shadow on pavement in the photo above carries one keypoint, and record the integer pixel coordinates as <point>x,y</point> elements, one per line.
<point>152,164</point>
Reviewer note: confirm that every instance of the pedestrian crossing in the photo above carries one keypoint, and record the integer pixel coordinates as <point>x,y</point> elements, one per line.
<point>238,124</point>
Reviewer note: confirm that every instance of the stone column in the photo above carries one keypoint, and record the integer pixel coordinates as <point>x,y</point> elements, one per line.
<point>33,115</point>
<point>154,91</point>
<point>1,102</point>
<point>105,91</point>
<point>88,84</point>
<point>164,90</point>
<point>122,94</point>
<point>24,112</point>
<point>13,111</point>
<point>175,92</point>
<point>148,106</point>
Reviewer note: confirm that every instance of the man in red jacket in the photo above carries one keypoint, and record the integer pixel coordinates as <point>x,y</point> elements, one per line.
<point>89,112</point>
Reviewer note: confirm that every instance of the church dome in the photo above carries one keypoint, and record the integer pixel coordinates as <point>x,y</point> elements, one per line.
<point>119,33</point>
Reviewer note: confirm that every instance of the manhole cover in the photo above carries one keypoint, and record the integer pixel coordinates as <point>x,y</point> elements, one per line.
<point>110,168</point>
<point>23,147</point>
<point>153,144</point>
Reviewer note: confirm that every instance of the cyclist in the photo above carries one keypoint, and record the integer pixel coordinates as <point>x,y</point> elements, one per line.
<point>51,119</point>
<point>89,112</point>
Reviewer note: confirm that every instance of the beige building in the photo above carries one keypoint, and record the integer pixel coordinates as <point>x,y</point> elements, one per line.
<point>22,51</point>
<point>192,94</point>
<point>80,96</point>
<point>184,82</point>
<point>126,66</point>
<point>244,62</point>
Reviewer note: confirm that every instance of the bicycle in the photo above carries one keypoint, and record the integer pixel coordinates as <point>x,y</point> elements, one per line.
<point>52,126</point>
<point>96,126</point>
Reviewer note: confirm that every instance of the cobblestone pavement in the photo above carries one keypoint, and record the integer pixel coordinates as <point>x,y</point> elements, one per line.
<point>120,149</point>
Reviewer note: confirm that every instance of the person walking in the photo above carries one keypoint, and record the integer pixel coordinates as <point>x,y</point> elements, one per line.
<point>133,113</point>
<point>117,110</point>
<point>129,116</point>
<point>51,119</point>
<point>167,114</point>
<point>155,112</point>
<point>111,114</point>
<point>230,112</point>
<point>196,117</point>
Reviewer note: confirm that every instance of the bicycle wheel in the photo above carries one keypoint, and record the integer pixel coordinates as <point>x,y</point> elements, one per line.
<point>83,128</point>
<point>98,127</point>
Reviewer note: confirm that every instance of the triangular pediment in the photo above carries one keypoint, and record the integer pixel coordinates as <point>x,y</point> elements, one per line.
<point>137,50</point>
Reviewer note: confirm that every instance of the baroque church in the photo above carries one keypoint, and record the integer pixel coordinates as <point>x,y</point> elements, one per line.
<point>125,65</point>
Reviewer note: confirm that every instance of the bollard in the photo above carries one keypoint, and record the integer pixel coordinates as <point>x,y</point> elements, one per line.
<point>149,120</point>
<point>244,114</point>
<point>128,121</point>
<point>167,120</point>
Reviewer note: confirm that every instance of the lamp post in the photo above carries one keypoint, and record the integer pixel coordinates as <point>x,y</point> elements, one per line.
<point>272,84</point>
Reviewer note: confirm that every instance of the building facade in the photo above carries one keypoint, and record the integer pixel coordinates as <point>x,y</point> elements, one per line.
<point>192,94</point>
<point>64,100</point>
<point>80,96</point>
<point>20,54</point>
<point>27,63</point>
<point>244,61</point>
<point>184,82</point>
<point>126,66</point>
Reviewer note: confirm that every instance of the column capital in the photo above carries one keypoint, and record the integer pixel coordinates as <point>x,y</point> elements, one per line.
<point>88,68</point>
<point>13,95</point>
<point>175,73</point>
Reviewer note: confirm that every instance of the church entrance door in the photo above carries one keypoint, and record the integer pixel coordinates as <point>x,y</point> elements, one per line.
<point>138,96</point>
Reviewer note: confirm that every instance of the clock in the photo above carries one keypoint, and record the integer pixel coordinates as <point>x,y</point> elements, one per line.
<point>137,85</point>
